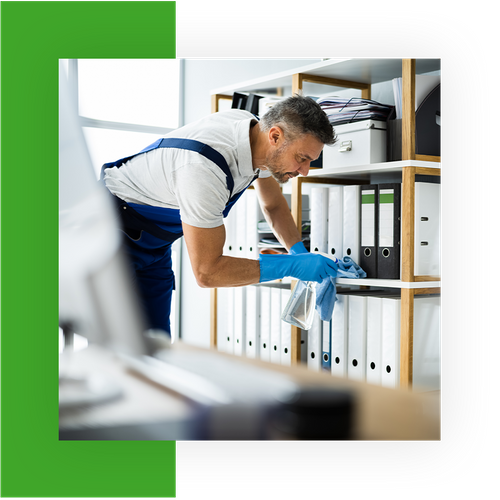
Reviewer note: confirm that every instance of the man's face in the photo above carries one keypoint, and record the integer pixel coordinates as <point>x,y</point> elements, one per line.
<point>293,158</point>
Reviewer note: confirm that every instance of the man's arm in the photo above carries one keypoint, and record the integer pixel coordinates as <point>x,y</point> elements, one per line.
<point>212,269</point>
<point>277,212</point>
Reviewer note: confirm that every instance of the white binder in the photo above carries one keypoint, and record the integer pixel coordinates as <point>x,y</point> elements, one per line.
<point>265,323</point>
<point>239,320</point>
<point>252,343</point>
<point>303,346</point>
<point>391,331</point>
<point>319,219</point>
<point>373,339</point>
<point>230,226</point>
<point>286,332</point>
<point>427,344</point>
<point>275,325</point>
<point>222,318</point>
<point>229,336</point>
<point>314,344</point>
<point>427,229</point>
<point>340,323</point>
<point>356,346</point>
<point>351,222</point>
<point>335,221</point>
<point>240,210</point>
<point>253,216</point>
<point>326,353</point>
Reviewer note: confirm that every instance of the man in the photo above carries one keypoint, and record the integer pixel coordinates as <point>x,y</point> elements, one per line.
<point>186,183</point>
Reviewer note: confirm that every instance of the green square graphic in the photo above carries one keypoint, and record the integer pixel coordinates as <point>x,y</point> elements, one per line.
<point>34,36</point>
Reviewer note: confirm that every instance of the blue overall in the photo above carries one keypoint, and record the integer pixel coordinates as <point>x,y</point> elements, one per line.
<point>152,230</point>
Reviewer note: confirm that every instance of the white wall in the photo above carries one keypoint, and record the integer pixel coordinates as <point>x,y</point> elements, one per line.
<point>202,76</point>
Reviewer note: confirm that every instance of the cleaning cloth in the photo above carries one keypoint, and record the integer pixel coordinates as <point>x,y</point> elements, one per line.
<point>326,291</point>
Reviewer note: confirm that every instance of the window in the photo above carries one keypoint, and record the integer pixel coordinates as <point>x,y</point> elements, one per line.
<point>124,105</point>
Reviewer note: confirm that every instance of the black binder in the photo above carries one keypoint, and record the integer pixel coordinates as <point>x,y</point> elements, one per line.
<point>369,230</point>
<point>389,231</point>
<point>428,125</point>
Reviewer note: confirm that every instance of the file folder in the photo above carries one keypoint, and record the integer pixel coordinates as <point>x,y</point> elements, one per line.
<point>265,323</point>
<point>230,227</point>
<point>389,242</point>
<point>351,222</point>
<point>427,229</point>
<point>373,339</point>
<point>356,344</point>
<point>391,331</point>
<point>326,357</point>
<point>369,230</point>
<point>319,219</point>
<point>427,344</point>
<point>340,323</point>
<point>286,332</point>
<point>222,318</point>
<point>335,221</point>
<point>239,320</point>
<point>275,355</point>
<point>230,321</point>
<point>252,321</point>
<point>303,346</point>
<point>253,216</point>
<point>314,344</point>
<point>241,228</point>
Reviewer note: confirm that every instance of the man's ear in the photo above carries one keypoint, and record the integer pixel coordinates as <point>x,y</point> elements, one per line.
<point>276,136</point>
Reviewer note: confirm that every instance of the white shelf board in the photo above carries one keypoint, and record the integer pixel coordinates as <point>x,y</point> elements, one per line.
<point>388,283</point>
<point>364,171</point>
<point>367,71</point>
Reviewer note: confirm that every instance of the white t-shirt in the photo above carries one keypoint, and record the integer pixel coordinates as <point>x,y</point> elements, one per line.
<point>186,180</point>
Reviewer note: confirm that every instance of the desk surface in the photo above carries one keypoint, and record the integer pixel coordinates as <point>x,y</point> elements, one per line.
<point>380,413</point>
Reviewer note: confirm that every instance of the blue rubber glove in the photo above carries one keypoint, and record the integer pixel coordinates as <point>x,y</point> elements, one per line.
<point>298,248</point>
<point>305,266</point>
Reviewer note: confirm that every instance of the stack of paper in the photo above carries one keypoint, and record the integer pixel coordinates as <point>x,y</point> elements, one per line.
<point>342,110</point>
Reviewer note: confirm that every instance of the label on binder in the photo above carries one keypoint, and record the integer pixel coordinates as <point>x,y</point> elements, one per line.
<point>386,227</point>
<point>368,218</point>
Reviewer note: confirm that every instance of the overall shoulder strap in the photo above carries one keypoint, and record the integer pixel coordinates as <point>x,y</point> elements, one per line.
<point>204,150</point>
<point>188,144</point>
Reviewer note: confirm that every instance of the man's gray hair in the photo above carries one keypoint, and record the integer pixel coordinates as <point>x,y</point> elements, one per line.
<point>298,115</point>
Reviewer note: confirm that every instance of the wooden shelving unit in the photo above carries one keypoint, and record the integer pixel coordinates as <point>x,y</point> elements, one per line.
<point>361,74</point>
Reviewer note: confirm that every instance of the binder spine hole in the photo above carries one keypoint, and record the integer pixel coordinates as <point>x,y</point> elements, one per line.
<point>264,346</point>
<point>286,350</point>
<point>316,249</point>
<point>337,360</point>
<point>354,362</point>
<point>275,348</point>
<point>313,355</point>
<point>333,251</point>
<point>228,339</point>
<point>372,365</point>
<point>325,357</point>
<point>386,252</point>
<point>368,252</point>
<point>250,343</point>
<point>388,369</point>
<point>348,251</point>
